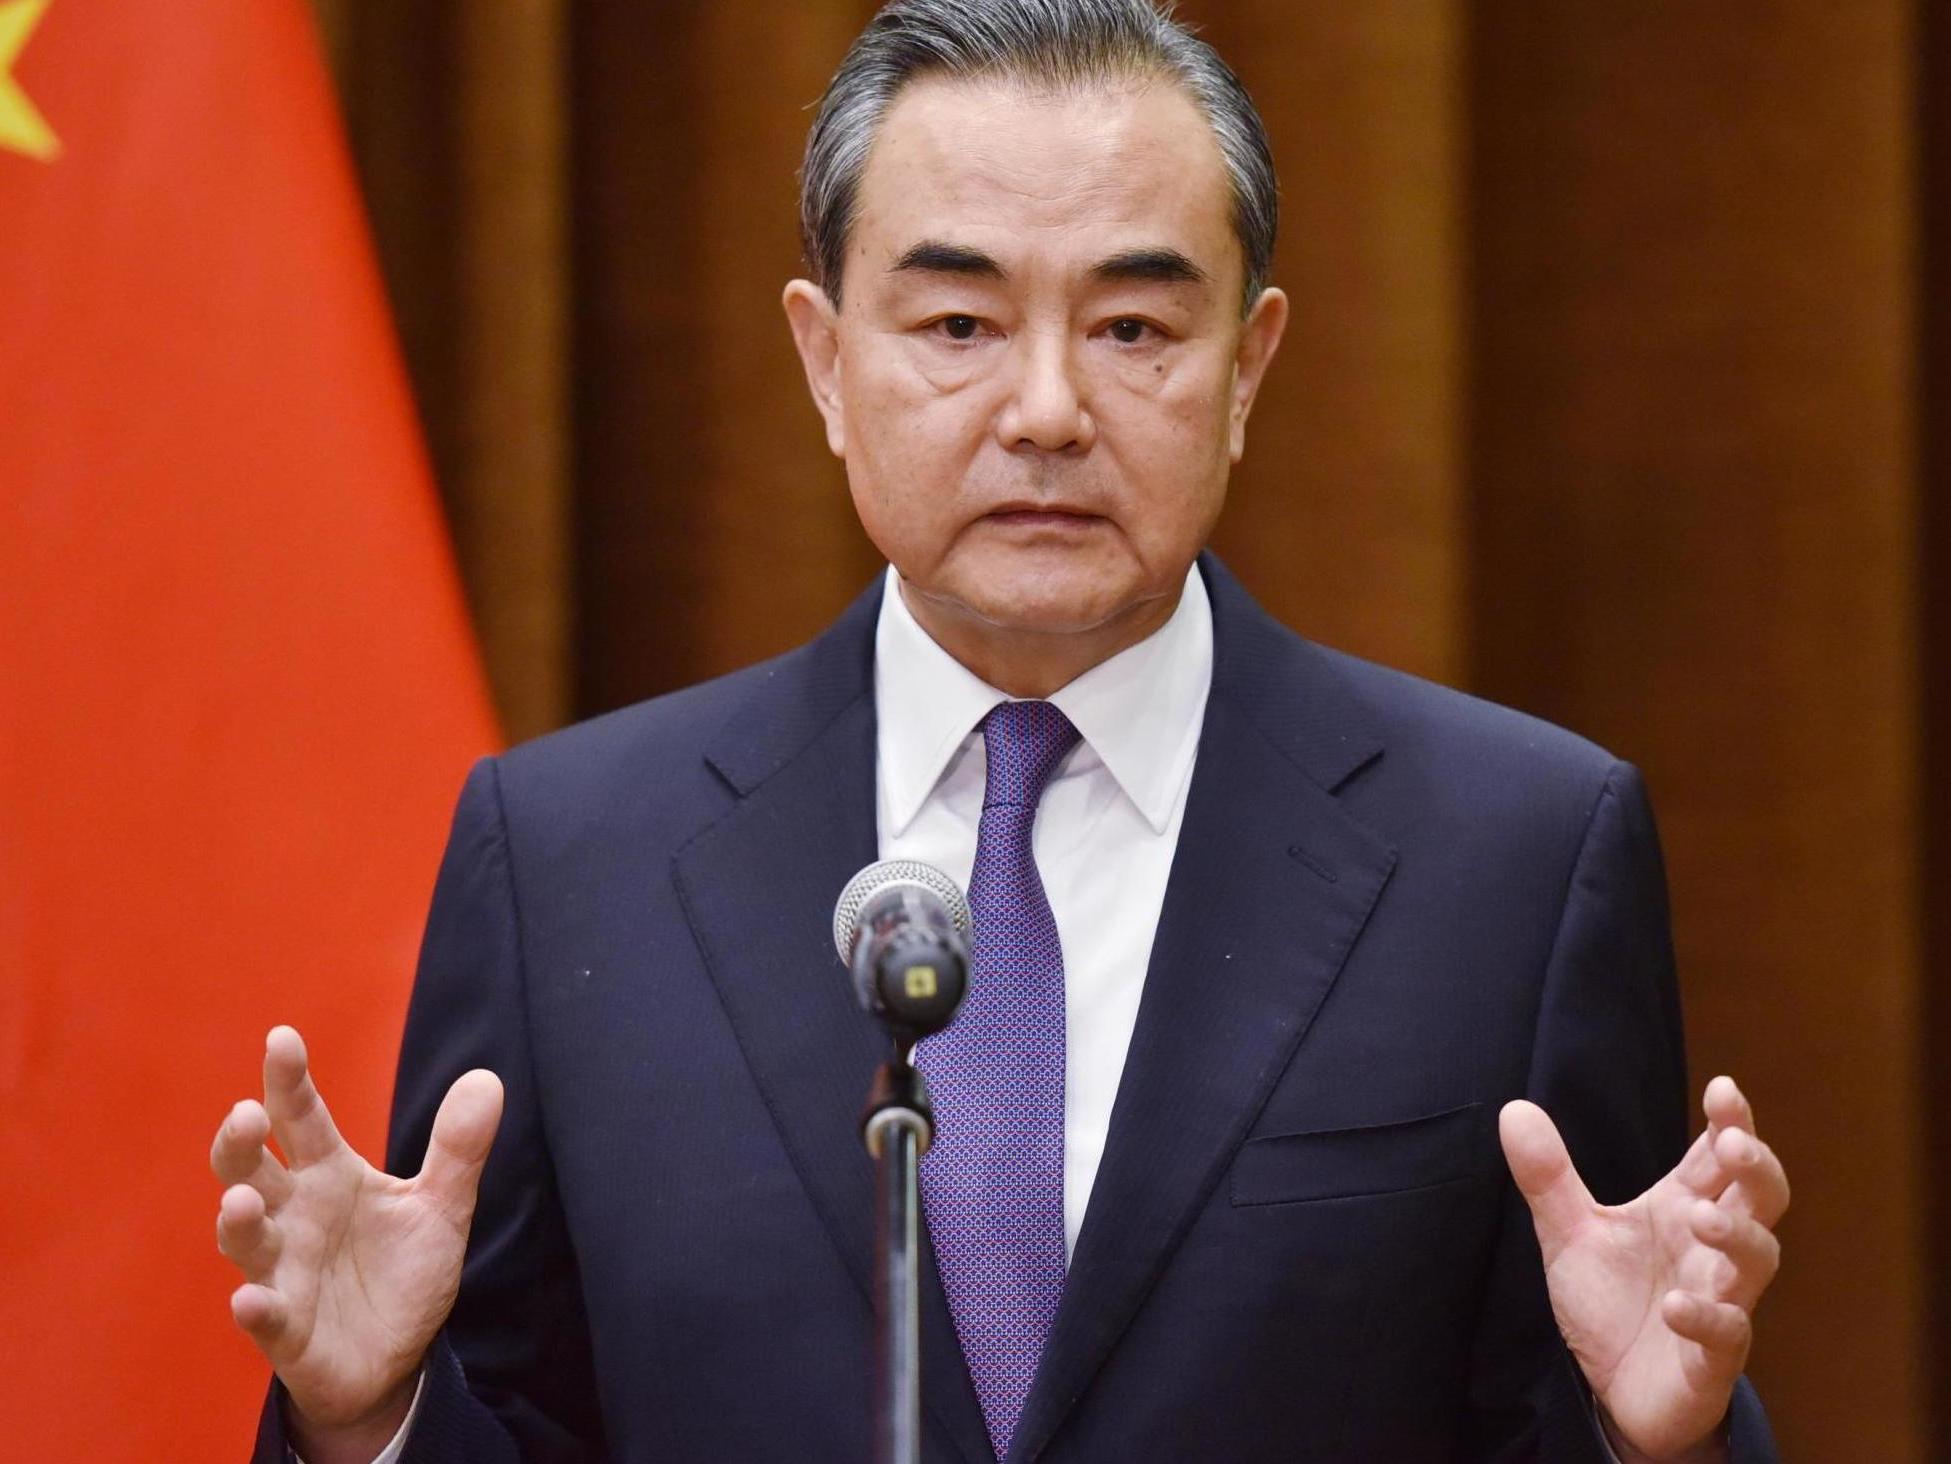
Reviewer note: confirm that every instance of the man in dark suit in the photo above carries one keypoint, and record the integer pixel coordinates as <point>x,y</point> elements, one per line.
<point>1271,940</point>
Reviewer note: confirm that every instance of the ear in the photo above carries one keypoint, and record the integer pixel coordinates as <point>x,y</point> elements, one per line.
<point>816,331</point>
<point>1259,339</point>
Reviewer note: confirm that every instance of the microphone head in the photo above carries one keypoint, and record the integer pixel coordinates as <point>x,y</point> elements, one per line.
<point>886,875</point>
<point>902,930</point>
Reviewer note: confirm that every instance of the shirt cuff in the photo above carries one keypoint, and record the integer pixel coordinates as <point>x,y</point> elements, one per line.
<point>391,1453</point>
<point>1591,1407</point>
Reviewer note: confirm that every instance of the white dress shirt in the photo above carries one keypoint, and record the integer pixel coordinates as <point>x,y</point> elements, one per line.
<point>1105,831</point>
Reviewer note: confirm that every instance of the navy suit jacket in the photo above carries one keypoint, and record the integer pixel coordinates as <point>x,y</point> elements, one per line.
<point>1392,908</point>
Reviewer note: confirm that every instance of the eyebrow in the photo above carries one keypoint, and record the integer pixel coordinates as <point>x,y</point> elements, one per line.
<point>932,256</point>
<point>1155,264</point>
<point>1163,266</point>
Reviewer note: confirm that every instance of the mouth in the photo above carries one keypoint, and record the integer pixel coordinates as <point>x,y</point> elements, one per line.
<point>1040,516</point>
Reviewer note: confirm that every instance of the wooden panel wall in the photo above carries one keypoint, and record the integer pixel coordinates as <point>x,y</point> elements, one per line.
<point>713,527</point>
<point>1347,516</point>
<point>1612,391</point>
<point>1933,398</point>
<point>1694,505</point>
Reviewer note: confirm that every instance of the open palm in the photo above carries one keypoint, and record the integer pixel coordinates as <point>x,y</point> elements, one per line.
<point>348,1272</point>
<point>1654,1296</point>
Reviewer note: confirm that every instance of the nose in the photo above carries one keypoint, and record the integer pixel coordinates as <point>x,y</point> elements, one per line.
<point>1046,408</point>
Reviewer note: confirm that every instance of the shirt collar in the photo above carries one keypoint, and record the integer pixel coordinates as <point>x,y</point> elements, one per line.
<point>1140,712</point>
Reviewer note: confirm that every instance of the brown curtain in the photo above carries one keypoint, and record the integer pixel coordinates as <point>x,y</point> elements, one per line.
<point>1610,393</point>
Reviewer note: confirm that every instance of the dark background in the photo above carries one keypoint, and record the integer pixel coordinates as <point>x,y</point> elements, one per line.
<point>1612,392</point>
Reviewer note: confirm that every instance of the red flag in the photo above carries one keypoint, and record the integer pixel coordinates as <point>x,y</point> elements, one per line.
<point>237,687</point>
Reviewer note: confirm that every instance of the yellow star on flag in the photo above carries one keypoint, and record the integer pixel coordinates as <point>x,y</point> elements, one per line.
<point>22,128</point>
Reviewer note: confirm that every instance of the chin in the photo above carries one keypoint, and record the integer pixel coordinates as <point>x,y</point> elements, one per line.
<point>1045,604</point>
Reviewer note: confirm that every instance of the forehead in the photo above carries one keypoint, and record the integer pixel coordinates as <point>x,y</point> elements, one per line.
<point>1032,174</point>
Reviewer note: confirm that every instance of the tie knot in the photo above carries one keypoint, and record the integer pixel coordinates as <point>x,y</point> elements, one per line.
<point>1024,741</point>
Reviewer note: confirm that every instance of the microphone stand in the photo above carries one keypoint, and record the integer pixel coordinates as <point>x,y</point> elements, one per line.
<point>902,929</point>
<point>897,1125</point>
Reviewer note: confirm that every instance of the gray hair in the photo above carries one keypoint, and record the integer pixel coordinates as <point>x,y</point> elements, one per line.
<point>1058,43</point>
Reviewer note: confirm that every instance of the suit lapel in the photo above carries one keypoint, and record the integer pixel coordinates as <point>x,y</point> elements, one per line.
<point>1271,885</point>
<point>758,888</point>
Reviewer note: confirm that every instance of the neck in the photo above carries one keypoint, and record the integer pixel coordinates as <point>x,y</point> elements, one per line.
<point>1029,663</point>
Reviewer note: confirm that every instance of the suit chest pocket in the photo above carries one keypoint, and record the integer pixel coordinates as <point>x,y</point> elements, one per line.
<point>1376,1159</point>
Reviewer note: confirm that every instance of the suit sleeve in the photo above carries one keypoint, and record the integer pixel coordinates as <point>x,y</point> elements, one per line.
<point>509,1380</point>
<point>1608,1063</point>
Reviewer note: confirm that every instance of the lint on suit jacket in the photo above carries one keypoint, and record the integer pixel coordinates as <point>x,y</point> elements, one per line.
<point>1392,908</point>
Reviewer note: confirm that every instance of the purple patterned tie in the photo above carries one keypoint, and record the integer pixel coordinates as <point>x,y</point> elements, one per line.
<point>993,1183</point>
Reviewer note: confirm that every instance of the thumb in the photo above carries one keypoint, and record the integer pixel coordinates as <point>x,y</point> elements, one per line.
<point>464,1130</point>
<point>1559,1200</point>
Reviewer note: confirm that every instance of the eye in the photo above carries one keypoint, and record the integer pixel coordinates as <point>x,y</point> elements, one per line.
<point>959,327</point>
<point>1128,331</point>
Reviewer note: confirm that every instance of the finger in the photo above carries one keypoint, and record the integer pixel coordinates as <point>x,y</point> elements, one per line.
<point>298,1115</point>
<point>1726,1106</point>
<point>1559,1200</point>
<point>1761,1184</point>
<point>238,1155</point>
<point>463,1132</point>
<point>1699,1169</point>
<point>249,1238</point>
<point>263,1315</point>
<point>1751,1255</point>
<point>1720,1329</point>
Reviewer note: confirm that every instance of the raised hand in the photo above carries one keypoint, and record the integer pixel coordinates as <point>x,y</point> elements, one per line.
<point>348,1272</point>
<point>1654,1297</point>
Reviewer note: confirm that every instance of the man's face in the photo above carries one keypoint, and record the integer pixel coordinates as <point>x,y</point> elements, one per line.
<point>1040,377</point>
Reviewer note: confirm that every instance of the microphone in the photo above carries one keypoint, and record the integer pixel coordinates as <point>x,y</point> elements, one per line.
<point>902,929</point>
